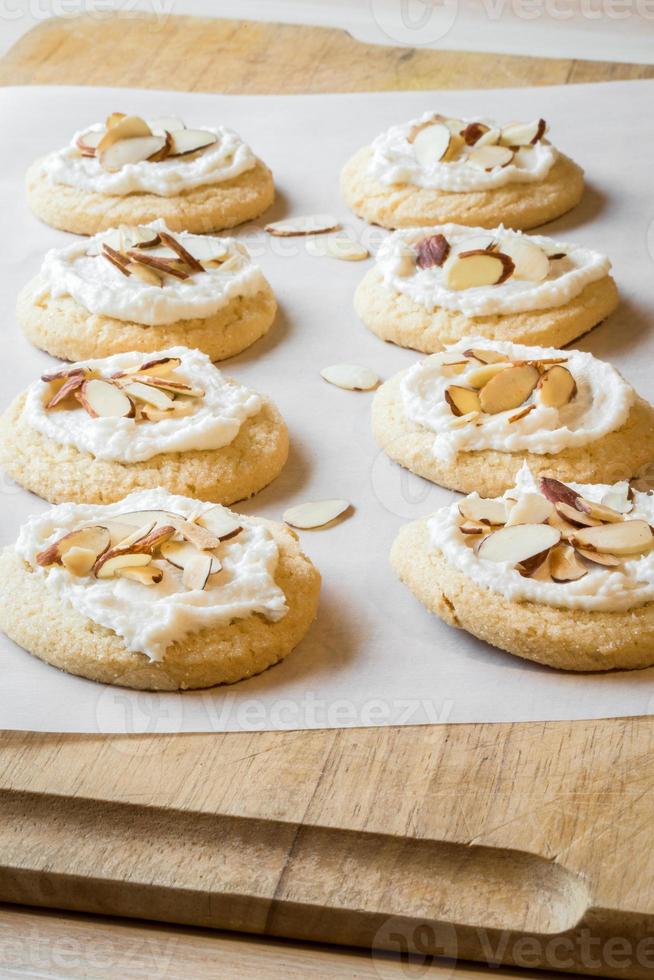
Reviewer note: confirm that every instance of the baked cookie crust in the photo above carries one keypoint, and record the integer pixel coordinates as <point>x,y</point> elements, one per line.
<point>619,455</point>
<point>567,639</point>
<point>61,473</point>
<point>517,205</point>
<point>63,328</point>
<point>201,210</point>
<point>396,318</point>
<point>35,618</point>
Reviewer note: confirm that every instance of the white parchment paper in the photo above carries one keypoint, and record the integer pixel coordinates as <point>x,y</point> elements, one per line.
<point>375,656</point>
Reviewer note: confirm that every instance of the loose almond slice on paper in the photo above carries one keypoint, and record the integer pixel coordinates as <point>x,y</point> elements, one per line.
<point>146,393</point>
<point>87,143</point>
<point>490,157</point>
<point>72,383</point>
<point>125,152</point>
<point>487,355</point>
<point>462,400</point>
<point>111,566</point>
<point>478,377</point>
<point>103,399</point>
<point>530,508</point>
<point>92,538</point>
<point>305,224</point>
<point>350,376</point>
<point>146,275</point>
<point>432,143</point>
<point>523,134</point>
<point>182,553</point>
<point>530,262</point>
<point>187,141</point>
<point>315,513</point>
<point>556,387</point>
<point>519,543</point>
<point>508,389</point>
<point>626,538</point>
<point>575,516</point>
<point>197,571</point>
<point>220,522</point>
<point>346,249</point>
<point>564,564</point>
<point>79,561</point>
<point>607,561</point>
<point>432,251</point>
<point>465,270</point>
<point>145,575</point>
<point>484,510</point>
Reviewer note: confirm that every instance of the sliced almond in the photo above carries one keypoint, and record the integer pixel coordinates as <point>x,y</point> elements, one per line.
<point>556,387</point>
<point>103,399</point>
<point>180,408</point>
<point>350,376</point>
<point>182,553</point>
<point>490,157</point>
<point>618,498</point>
<point>523,134</point>
<point>120,128</point>
<point>530,262</point>
<point>146,275</point>
<point>306,224</point>
<point>565,527</point>
<point>530,508</point>
<point>431,144</point>
<point>599,512</point>
<point>87,143</point>
<point>564,564</point>
<point>160,366</point>
<point>180,251</point>
<point>146,393</point>
<point>220,522</point>
<point>93,538</point>
<point>486,355</point>
<point>473,131</point>
<point>164,151</point>
<point>186,141</point>
<point>79,561</point>
<point>518,543</point>
<point>626,538</point>
<point>145,575</point>
<point>71,384</point>
<point>144,546</point>
<point>111,566</point>
<point>473,527</point>
<point>460,421</point>
<point>521,414</point>
<point>478,267</point>
<point>202,537</point>
<point>197,571</point>
<point>432,251</point>
<point>557,492</point>
<point>346,249</point>
<point>489,138</point>
<point>449,363</point>
<point>125,152</point>
<point>116,258</point>
<point>126,540</point>
<point>478,377</point>
<point>113,119</point>
<point>575,516</point>
<point>462,400</point>
<point>172,267</point>
<point>508,389</point>
<point>457,143</point>
<point>160,518</point>
<point>609,561</point>
<point>537,569</point>
<point>138,237</point>
<point>171,384</point>
<point>484,510</point>
<point>315,513</point>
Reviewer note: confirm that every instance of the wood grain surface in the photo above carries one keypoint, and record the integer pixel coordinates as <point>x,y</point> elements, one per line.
<point>482,840</point>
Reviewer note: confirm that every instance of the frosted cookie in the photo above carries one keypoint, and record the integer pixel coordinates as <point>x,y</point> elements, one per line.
<point>129,170</point>
<point>467,417</point>
<point>561,574</point>
<point>97,430</point>
<point>141,289</point>
<point>436,169</point>
<point>157,592</point>
<point>434,286</point>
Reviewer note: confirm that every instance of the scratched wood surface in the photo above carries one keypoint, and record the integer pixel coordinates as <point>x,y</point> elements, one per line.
<point>463,838</point>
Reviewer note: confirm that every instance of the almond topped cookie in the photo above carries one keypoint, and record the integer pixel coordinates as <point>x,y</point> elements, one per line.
<point>469,416</point>
<point>471,171</point>
<point>559,573</point>
<point>143,288</point>
<point>132,170</point>
<point>96,430</point>
<point>157,592</point>
<point>434,286</point>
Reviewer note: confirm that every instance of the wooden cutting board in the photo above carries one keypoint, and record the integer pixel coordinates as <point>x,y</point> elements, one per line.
<point>525,844</point>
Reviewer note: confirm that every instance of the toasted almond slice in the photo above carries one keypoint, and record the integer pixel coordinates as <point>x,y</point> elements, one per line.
<point>128,151</point>
<point>486,355</point>
<point>145,545</point>
<point>108,568</point>
<point>462,400</point>
<point>530,261</point>
<point>148,575</point>
<point>197,571</point>
<point>537,568</point>
<point>180,251</point>
<point>304,224</point>
<point>565,527</point>
<point>122,129</point>
<point>530,508</point>
<point>556,387</point>
<point>484,510</point>
<point>113,119</point>
<point>519,543</point>
<point>609,561</point>
<point>480,376</point>
<point>618,498</point>
<point>431,144</point>
<point>79,561</point>
<point>350,376</point>
<point>432,251</point>
<point>465,270</point>
<point>315,513</point>
<point>160,367</point>
<point>171,267</point>
<point>521,414</point>
<point>62,374</point>
<point>203,538</point>
<point>146,393</point>
<point>490,157</point>
<point>104,399</point>
<point>220,522</point>
<point>165,124</point>
<point>508,389</point>
<point>116,258</point>
<point>460,421</point>
<point>564,564</point>
<point>186,141</point>
<point>92,538</point>
<point>72,383</point>
<point>182,553</point>
<point>346,249</point>
<point>599,512</point>
<point>626,538</point>
<point>557,492</point>
<point>473,131</point>
<point>523,134</point>
<point>87,143</point>
<point>575,516</point>
<point>126,540</point>
<point>146,275</point>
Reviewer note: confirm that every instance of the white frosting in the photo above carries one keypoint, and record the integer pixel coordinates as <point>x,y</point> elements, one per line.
<point>566,279</point>
<point>393,161</point>
<point>214,423</point>
<point>151,617</point>
<point>96,284</point>
<point>601,405</point>
<point>607,589</point>
<point>228,157</point>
